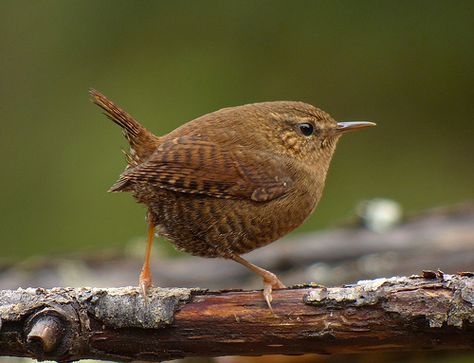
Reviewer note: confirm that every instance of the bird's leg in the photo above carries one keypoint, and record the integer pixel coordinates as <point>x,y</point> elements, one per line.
<point>270,281</point>
<point>145,276</point>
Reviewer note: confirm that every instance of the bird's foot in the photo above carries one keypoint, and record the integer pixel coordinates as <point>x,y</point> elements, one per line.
<point>270,282</point>
<point>145,284</point>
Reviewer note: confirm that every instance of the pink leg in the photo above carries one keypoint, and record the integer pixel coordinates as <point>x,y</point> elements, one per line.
<point>145,276</point>
<point>270,281</point>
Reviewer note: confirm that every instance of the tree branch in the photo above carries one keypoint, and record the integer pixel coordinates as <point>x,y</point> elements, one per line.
<point>401,313</point>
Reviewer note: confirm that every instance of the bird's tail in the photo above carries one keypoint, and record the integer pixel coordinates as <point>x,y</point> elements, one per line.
<point>142,142</point>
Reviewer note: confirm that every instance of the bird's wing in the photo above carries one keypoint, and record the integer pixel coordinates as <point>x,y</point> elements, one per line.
<point>190,165</point>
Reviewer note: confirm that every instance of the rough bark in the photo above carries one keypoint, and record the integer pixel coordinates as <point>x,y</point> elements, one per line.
<point>433,311</point>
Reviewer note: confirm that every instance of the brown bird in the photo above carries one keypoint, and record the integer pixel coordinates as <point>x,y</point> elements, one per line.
<point>230,181</point>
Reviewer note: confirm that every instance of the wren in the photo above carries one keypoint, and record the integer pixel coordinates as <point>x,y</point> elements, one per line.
<point>230,181</point>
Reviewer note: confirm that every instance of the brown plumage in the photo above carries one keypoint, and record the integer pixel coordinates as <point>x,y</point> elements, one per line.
<point>232,180</point>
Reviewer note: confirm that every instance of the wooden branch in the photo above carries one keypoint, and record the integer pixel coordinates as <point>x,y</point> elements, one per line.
<point>401,313</point>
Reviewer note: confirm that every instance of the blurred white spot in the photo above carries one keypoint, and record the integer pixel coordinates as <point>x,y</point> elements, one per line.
<point>379,215</point>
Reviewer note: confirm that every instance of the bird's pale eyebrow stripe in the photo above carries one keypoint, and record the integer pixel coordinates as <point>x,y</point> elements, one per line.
<point>290,119</point>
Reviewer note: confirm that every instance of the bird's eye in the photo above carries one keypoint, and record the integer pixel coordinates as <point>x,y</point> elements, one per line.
<point>306,129</point>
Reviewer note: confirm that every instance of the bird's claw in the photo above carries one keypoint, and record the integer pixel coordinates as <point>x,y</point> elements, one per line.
<point>145,284</point>
<point>271,282</point>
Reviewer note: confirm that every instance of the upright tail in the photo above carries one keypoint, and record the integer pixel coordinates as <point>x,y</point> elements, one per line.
<point>142,142</point>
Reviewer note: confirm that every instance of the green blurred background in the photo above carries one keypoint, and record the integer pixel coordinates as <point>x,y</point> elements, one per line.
<point>407,65</point>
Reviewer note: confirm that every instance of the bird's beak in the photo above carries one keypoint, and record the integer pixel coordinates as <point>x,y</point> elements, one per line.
<point>343,127</point>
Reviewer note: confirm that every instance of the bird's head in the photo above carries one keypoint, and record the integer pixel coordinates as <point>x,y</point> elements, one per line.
<point>298,129</point>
